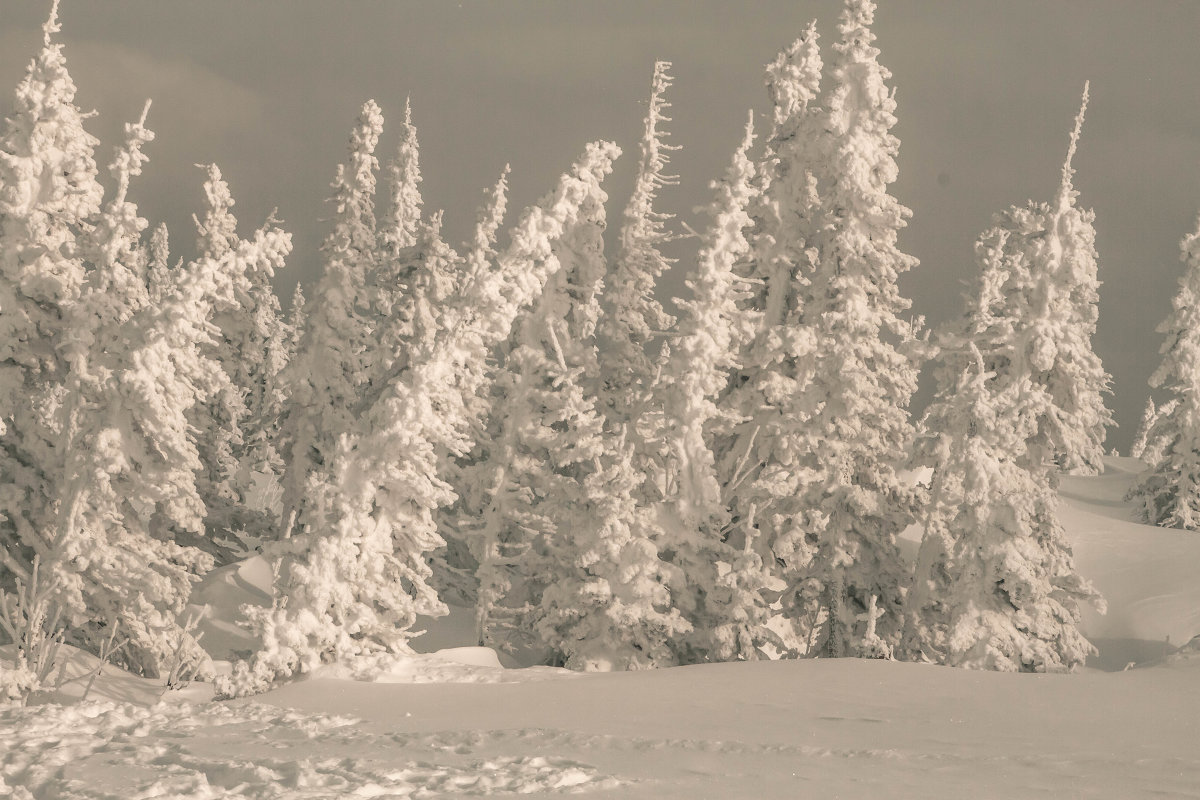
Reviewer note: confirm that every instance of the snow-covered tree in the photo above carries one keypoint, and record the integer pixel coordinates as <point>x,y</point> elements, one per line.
<point>49,196</point>
<point>297,314</point>
<point>158,270</point>
<point>995,584</point>
<point>1062,267</point>
<point>721,598</point>
<point>633,317</point>
<point>608,607</point>
<point>1142,438</point>
<point>327,376</point>
<point>1033,316</point>
<point>127,505</point>
<point>759,458</point>
<point>456,568</point>
<point>863,365</point>
<point>354,582</point>
<point>236,425</point>
<point>547,435</point>
<point>1169,493</point>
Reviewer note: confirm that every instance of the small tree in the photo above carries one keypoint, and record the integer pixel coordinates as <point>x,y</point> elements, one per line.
<point>608,606</point>
<point>995,583</point>
<point>1169,493</point>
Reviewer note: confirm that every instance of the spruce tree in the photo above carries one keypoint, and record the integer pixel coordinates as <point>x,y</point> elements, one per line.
<point>51,197</point>
<point>1168,494</point>
<point>995,583</point>
<point>608,606</point>
<point>330,369</point>
<point>547,435</point>
<point>633,316</point>
<point>759,458</point>
<point>721,595</point>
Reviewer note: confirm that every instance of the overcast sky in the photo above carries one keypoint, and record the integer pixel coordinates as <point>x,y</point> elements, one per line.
<point>987,92</point>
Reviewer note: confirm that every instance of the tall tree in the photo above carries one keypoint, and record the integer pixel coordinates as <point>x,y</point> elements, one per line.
<point>547,432</point>
<point>331,367</point>
<point>354,583</point>
<point>863,365</point>
<point>727,618</point>
<point>759,457</point>
<point>51,197</point>
<point>633,316</point>
<point>1061,253</point>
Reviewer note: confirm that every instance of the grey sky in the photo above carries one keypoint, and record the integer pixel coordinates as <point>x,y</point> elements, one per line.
<point>987,92</point>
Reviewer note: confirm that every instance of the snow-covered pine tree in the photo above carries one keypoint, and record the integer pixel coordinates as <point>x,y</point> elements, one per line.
<point>759,459</point>
<point>727,613</point>
<point>393,281</point>
<point>252,348</point>
<point>1061,253</point>
<point>608,607</point>
<point>455,569</point>
<point>863,366</point>
<point>632,316</point>
<point>50,196</point>
<point>1142,438</point>
<point>296,316</point>
<point>1168,494</point>
<point>158,270</point>
<point>545,436</point>
<point>334,359</point>
<point>354,582</point>
<point>995,585</point>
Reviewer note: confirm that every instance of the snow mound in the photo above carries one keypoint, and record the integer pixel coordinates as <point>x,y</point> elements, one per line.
<point>453,665</point>
<point>74,673</point>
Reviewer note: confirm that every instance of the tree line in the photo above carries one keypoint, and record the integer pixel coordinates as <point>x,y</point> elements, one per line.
<point>520,426</point>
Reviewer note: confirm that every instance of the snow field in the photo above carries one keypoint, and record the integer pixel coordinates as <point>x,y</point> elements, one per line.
<point>455,723</point>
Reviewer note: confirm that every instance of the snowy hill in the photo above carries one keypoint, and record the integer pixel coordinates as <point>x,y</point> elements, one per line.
<point>456,723</point>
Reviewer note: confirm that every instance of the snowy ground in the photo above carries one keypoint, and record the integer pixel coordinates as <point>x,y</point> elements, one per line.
<point>454,723</point>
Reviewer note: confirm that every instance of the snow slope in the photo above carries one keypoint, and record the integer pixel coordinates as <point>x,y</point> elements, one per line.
<point>455,723</point>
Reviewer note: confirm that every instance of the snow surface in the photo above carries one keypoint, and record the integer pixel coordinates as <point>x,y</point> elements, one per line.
<point>455,723</point>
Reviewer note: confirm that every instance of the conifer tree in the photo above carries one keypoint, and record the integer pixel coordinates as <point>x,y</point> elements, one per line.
<point>127,507</point>
<point>722,597</point>
<point>1061,252</point>
<point>995,582</point>
<point>455,569</point>
<point>608,607</point>
<point>353,582</point>
<point>296,317</point>
<point>51,195</point>
<point>331,367</point>
<point>548,435</point>
<point>633,317</point>
<point>1168,494</point>
<point>1032,318</point>
<point>759,457</point>
<point>158,270</point>
<point>863,366</point>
